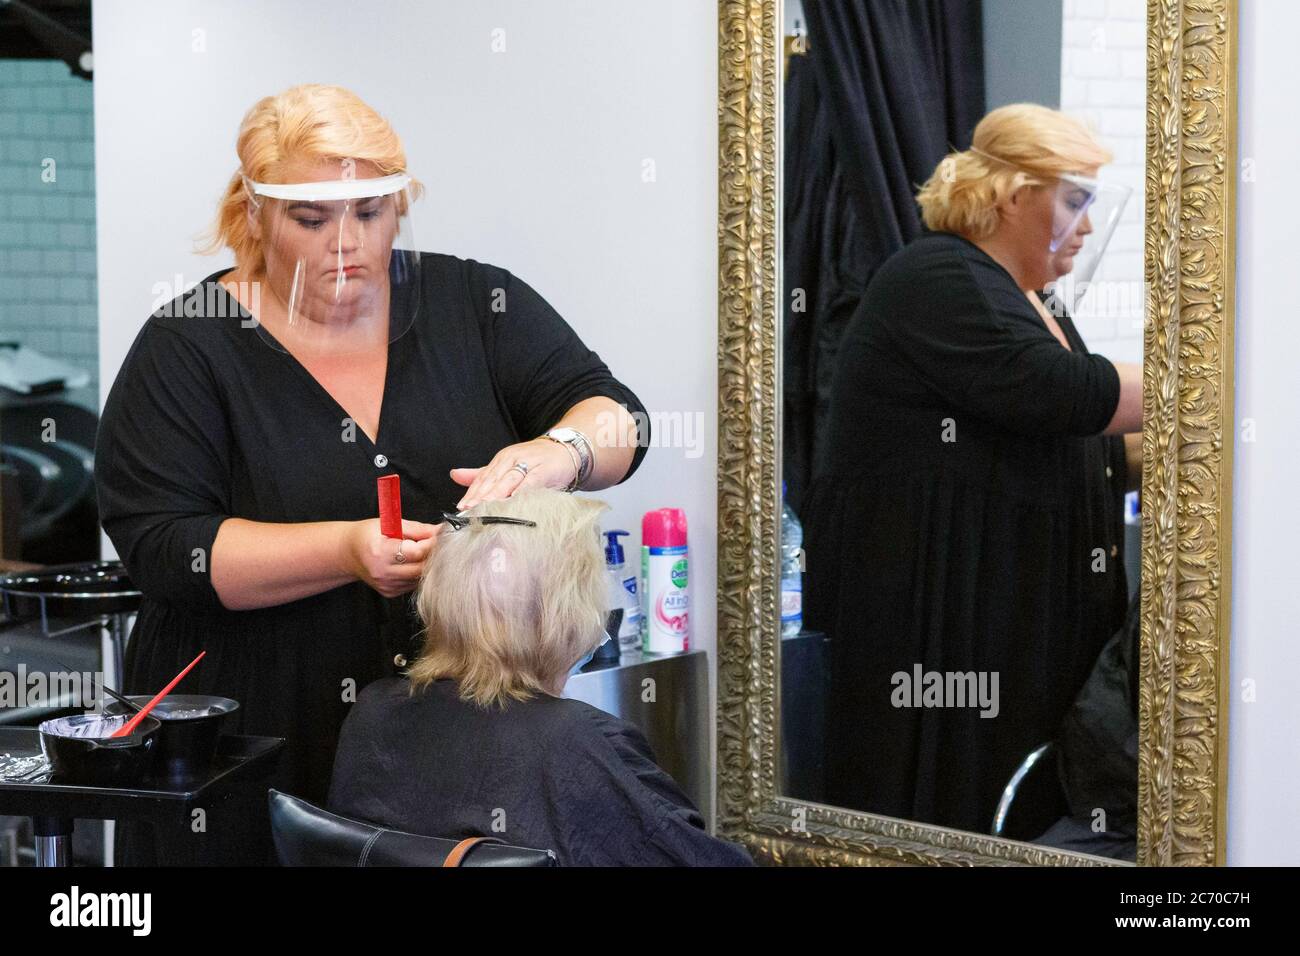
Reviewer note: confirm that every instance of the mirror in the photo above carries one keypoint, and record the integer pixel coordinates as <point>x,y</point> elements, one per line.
<point>950,628</point>
<point>962,648</point>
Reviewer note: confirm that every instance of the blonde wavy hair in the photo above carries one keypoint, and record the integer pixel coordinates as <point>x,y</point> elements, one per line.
<point>509,609</point>
<point>1022,144</point>
<point>307,123</point>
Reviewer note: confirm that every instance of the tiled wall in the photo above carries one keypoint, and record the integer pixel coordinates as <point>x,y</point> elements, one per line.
<point>1103,79</point>
<point>47,228</point>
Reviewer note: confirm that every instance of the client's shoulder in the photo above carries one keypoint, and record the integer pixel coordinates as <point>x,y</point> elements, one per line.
<point>385,690</point>
<point>378,700</point>
<point>571,725</point>
<point>600,729</point>
<point>543,719</point>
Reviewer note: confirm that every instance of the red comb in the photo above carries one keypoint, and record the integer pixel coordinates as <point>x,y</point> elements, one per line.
<point>390,506</point>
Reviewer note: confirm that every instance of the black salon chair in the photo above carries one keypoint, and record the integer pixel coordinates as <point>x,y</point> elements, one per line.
<point>306,835</point>
<point>53,478</point>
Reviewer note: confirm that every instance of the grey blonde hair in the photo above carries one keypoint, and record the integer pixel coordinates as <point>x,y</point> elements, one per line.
<point>508,609</point>
<point>1022,144</point>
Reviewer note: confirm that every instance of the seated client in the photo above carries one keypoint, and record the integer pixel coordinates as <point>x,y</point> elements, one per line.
<point>476,740</point>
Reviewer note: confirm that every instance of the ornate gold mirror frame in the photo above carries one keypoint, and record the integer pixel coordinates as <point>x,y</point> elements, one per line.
<point>1186,476</point>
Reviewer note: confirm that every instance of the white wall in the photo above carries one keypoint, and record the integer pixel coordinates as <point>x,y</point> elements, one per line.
<point>1264,735</point>
<point>534,159</point>
<point>1022,52</point>
<point>1103,80</point>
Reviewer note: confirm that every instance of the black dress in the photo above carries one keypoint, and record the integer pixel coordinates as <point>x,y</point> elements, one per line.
<point>546,773</point>
<point>206,421</point>
<point>966,518</point>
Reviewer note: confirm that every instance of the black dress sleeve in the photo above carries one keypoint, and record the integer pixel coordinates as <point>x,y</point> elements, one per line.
<point>976,340</point>
<point>162,468</point>
<point>539,363</point>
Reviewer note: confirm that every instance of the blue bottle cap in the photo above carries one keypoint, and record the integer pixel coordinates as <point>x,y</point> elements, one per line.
<point>613,548</point>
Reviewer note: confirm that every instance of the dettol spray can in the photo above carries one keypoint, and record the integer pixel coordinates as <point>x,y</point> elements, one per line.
<point>665,596</point>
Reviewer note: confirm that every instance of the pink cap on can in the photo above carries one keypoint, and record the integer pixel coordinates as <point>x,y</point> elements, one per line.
<point>664,528</point>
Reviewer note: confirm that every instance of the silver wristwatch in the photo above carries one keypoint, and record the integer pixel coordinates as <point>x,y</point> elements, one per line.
<point>580,448</point>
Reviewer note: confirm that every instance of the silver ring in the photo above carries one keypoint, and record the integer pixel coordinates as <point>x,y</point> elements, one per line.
<point>521,468</point>
<point>400,558</point>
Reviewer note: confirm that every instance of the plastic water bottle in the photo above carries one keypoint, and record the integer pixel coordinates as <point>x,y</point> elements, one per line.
<point>791,571</point>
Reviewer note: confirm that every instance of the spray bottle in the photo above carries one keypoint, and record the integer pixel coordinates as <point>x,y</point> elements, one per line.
<point>665,596</point>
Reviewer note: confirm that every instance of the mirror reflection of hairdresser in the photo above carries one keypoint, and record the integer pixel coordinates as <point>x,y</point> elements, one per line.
<point>967,517</point>
<point>479,742</point>
<point>237,459</point>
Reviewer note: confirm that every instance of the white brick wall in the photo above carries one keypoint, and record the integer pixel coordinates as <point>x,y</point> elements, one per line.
<point>1103,81</point>
<point>47,229</point>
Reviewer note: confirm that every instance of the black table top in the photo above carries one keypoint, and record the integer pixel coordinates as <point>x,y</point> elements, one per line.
<point>239,760</point>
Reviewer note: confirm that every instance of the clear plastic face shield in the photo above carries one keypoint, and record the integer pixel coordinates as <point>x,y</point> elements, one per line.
<point>1085,212</point>
<point>342,268</point>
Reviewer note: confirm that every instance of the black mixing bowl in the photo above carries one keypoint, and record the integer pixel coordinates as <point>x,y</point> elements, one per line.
<point>191,727</point>
<point>99,761</point>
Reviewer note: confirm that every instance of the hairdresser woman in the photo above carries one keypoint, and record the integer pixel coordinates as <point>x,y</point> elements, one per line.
<point>967,519</point>
<point>240,445</point>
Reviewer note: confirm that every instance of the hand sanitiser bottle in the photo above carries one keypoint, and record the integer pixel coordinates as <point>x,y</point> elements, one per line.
<point>665,597</point>
<point>623,598</point>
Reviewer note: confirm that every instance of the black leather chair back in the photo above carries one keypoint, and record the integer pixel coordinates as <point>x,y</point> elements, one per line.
<point>306,835</point>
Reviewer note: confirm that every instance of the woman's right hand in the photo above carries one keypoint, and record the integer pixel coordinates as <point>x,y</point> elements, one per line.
<point>371,557</point>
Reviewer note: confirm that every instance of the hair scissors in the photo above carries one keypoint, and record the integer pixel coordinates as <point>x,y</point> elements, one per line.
<point>458,521</point>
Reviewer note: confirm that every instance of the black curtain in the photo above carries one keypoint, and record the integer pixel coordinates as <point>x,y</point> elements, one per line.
<point>884,90</point>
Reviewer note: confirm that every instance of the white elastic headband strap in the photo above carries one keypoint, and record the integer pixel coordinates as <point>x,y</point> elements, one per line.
<point>997,159</point>
<point>333,189</point>
<point>1089,183</point>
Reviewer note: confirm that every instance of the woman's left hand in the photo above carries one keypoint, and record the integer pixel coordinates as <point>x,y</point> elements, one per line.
<point>550,465</point>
